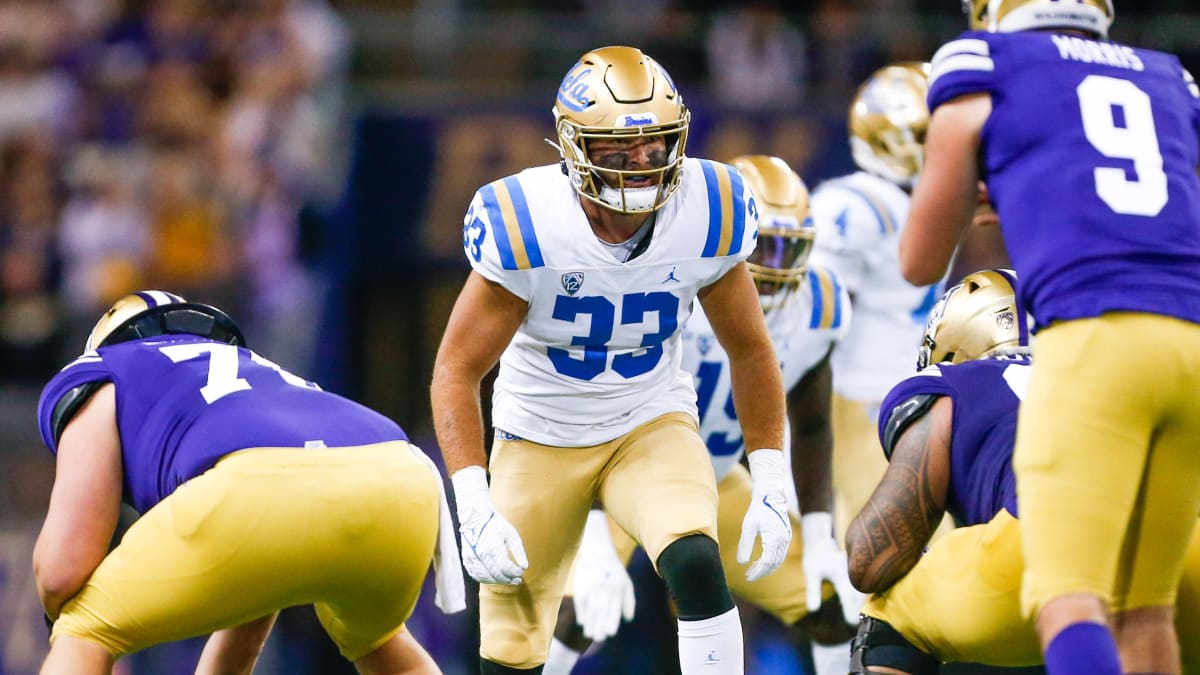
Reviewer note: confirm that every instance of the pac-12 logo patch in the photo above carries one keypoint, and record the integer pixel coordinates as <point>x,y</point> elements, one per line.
<point>572,282</point>
<point>1005,320</point>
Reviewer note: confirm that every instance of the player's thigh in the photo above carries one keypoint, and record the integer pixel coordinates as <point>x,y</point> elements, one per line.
<point>780,593</point>
<point>224,548</point>
<point>660,485</point>
<point>961,602</point>
<point>1083,458</point>
<point>545,492</point>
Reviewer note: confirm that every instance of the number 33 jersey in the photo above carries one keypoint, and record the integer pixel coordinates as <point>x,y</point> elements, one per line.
<point>598,352</point>
<point>184,402</point>
<point>1090,157</point>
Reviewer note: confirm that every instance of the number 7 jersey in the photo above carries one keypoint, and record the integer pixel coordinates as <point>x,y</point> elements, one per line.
<point>1090,155</point>
<point>598,352</point>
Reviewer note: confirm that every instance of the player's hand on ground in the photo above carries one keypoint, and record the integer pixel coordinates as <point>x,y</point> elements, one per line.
<point>767,518</point>
<point>824,560</point>
<point>603,591</point>
<point>492,552</point>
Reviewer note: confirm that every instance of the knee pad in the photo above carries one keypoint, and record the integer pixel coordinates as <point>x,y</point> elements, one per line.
<point>878,644</point>
<point>691,568</point>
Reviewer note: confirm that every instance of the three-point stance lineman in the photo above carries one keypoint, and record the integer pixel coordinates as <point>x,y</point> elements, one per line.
<point>257,491</point>
<point>583,274</point>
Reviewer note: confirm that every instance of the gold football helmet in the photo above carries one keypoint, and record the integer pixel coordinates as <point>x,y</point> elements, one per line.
<point>979,317</point>
<point>149,313</point>
<point>1006,16</point>
<point>785,227</point>
<point>615,93</point>
<point>888,119</point>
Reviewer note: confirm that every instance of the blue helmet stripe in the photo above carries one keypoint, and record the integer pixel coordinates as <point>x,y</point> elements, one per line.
<point>524,221</point>
<point>496,218</point>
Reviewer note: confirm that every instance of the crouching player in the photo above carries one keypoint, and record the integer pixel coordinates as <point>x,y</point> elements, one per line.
<point>257,491</point>
<point>807,310</point>
<point>948,434</point>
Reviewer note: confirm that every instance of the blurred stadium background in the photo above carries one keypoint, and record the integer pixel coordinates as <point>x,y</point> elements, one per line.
<point>305,164</point>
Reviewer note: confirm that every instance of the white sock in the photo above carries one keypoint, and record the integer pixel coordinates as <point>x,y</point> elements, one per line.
<point>831,659</point>
<point>562,659</point>
<point>712,646</point>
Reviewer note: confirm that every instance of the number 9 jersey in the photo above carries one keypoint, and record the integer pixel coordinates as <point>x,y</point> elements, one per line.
<point>1097,192</point>
<point>599,351</point>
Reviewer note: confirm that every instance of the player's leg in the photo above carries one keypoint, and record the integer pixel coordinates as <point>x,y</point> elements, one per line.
<point>660,488</point>
<point>401,655</point>
<point>1187,608</point>
<point>1081,454</point>
<point>569,642</point>
<point>545,493</point>
<point>961,602</point>
<point>781,593</point>
<point>858,461</point>
<point>70,655</point>
<point>1156,546</point>
<point>235,650</point>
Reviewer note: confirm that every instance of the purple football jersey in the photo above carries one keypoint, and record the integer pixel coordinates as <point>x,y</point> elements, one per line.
<point>1090,155</point>
<point>984,430</point>
<point>183,402</point>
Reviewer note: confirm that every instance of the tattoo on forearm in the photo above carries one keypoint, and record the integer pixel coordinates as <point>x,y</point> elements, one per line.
<point>887,538</point>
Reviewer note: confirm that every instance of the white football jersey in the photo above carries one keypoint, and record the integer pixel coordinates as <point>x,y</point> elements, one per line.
<point>598,353</point>
<point>858,220</point>
<point>803,329</point>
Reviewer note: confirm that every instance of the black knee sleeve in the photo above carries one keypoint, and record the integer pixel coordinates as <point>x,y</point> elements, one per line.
<point>492,668</point>
<point>878,644</point>
<point>691,568</point>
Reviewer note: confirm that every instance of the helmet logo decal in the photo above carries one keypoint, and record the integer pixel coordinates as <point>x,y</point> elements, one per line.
<point>572,282</point>
<point>1005,320</point>
<point>637,120</point>
<point>572,93</point>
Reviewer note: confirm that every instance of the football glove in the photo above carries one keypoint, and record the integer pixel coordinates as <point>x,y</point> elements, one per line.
<point>767,518</point>
<point>823,561</point>
<point>603,590</point>
<point>492,551</point>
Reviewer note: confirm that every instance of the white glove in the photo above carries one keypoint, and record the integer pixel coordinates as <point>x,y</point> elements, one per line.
<point>603,590</point>
<point>824,560</point>
<point>491,548</point>
<point>767,516</point>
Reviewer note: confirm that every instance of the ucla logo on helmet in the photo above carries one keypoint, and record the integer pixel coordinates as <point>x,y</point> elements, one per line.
<point>573,91</point>
<point>572,282</point>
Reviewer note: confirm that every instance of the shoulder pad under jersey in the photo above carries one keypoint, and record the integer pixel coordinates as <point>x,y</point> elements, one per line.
<point>498,233</point>
<point>902,417</point>
<point>962,66</point>
<point>732,212</point>
<point>830,299</point>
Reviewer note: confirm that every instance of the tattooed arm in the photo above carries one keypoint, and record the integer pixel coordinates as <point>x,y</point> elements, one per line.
<point>888,536</point>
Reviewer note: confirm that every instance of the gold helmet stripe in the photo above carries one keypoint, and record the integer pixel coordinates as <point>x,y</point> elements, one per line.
<point>512,224</point>
<point>726,216</point>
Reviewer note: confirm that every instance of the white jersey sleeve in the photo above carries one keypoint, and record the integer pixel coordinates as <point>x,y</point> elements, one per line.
<point>598,352</point>
<point>859,219</point>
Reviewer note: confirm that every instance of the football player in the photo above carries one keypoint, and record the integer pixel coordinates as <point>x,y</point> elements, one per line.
<point>224,454</point>
<point>1089,151</point>
<point>807,310</point>
<point>859,217</point>
<point>948,433</point>
<point>583,274</point>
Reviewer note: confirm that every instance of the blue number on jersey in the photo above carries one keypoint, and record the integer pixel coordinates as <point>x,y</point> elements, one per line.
<point>634,307</point>
<point>706,384</point>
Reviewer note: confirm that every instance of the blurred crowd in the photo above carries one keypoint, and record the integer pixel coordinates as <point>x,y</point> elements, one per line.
<point>166,144</point>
